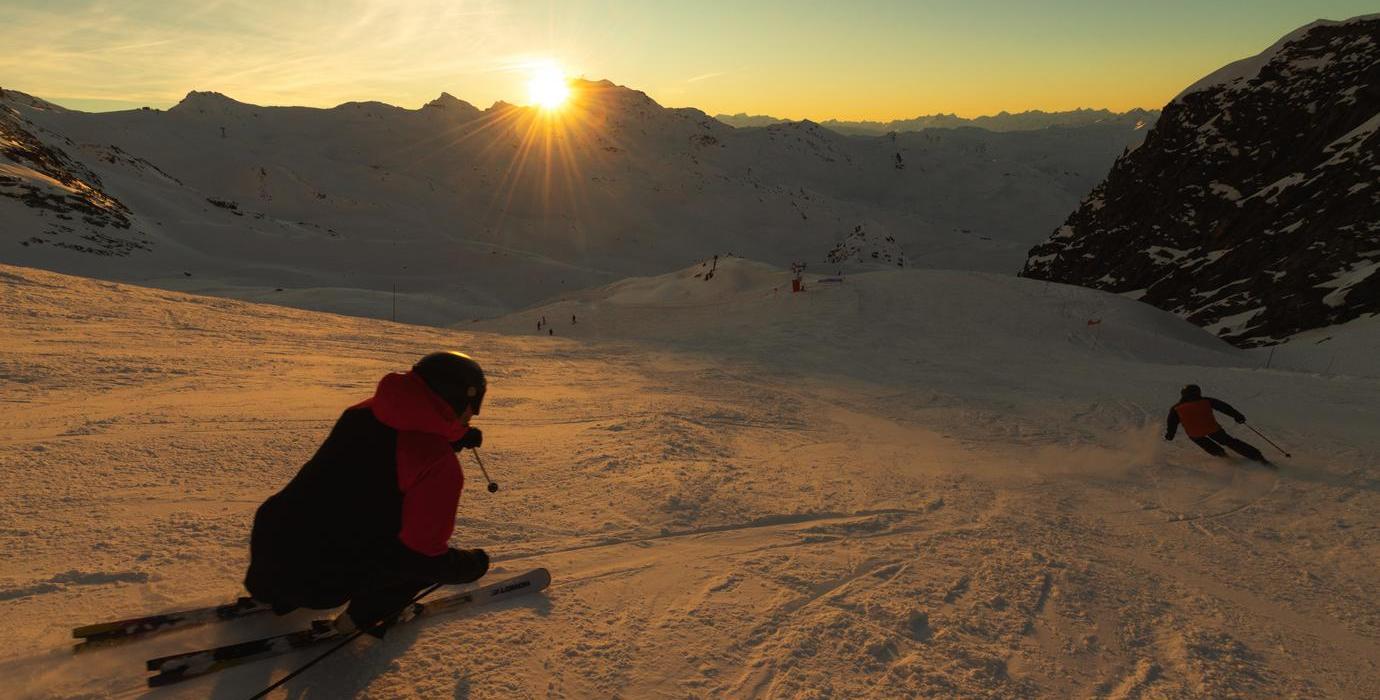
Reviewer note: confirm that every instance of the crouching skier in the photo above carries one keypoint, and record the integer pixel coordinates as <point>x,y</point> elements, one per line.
<point>1195,412</point>
<point>368,518</point>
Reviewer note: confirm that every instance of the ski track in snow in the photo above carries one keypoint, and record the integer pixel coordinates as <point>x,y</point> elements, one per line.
<point>918,484</point>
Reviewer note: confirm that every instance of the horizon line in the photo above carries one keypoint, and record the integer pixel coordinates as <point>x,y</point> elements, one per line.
<point>85,105</point>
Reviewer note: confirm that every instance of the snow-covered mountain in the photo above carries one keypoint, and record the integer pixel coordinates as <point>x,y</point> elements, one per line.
<point>468,212</point>
<point>1253,207</point>
<point>1001,121</point>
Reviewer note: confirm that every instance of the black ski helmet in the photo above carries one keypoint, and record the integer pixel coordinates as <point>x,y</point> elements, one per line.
<point>1191,392</point>
<point>455,377</point>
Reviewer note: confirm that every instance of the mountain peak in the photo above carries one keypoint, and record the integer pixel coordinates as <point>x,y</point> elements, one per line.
<point>609,92</point>
<point>27,100</point>
<point>448,101</point>
<point>198,101</point>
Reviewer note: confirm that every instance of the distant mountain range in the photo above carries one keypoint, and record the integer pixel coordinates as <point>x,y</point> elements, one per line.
<point>469,212</point>
<point>1002,121</point>
<point>1253,207</point>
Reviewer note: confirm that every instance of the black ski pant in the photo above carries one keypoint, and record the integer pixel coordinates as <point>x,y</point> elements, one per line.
<point>383,597</point>
<point>1212,444</point>
<point>374,589</point>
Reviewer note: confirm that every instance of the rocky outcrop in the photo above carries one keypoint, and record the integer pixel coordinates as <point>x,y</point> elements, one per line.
<point>81,214</point>
<point>860,248</point>
<point>1253,206</point>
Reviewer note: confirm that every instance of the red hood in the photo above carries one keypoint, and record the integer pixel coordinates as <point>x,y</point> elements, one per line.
<point>404,402</point>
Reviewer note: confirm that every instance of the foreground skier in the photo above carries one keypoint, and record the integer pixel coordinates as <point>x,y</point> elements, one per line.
<point>367,520</point>
<point>1195,412</point>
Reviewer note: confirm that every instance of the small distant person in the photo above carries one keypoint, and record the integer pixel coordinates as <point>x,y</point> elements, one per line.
<point>572,319</point>
<point>1194,411</point>
<point>551,331</point>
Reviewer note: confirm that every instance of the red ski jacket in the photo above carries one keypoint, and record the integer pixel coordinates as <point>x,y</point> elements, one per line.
<point>1197,418</point>
<point>378,498</point>
<point>429,475</point>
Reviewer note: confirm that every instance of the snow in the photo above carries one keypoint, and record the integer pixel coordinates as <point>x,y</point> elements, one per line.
<point>1165,254</point>
<point>913,483</point>
<point>1344,280</point>
<point>1225,191</point>
<point>1235,323</point>
<point>1271,191</point>
<point>1335,351</point>
<point>1349,145</point>
<point>23,174</point>
<point>1213,256</point>
<point>1311,64</point>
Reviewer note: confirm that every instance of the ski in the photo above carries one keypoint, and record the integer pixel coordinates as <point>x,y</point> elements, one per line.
<point>181,667</point>
<point>120,631</point>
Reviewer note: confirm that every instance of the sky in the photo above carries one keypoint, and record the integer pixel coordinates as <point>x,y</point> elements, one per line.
<point>796,59</point>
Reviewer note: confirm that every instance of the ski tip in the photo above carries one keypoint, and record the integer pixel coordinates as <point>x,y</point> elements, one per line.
<point>164,679</point>
<point>92,630</point>
<point>541,576</point>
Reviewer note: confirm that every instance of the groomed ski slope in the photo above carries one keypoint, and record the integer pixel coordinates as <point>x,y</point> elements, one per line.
<point>907,483</point>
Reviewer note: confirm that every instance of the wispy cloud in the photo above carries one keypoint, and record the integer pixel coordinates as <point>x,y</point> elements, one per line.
<point>706,76</point>
<point>316,52</point>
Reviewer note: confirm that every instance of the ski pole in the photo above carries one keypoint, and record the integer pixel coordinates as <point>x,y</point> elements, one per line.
<point>1272,442</point>
<point>493,486</point>
<point>337,647</point>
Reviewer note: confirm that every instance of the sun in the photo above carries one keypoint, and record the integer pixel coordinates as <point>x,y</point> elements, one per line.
<point>547,88</point>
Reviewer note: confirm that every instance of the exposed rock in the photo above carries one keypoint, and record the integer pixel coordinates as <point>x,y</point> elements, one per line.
<point>1253,206</point>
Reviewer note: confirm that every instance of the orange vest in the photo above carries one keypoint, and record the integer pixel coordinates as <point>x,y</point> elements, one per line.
<point>1197,418</point>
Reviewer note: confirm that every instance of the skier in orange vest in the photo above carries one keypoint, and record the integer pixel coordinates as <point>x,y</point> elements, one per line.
<point>1195,412</point>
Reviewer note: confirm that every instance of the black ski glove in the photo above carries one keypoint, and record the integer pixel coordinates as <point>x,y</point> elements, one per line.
<point>464,565</point>
<point>1168,437</point>
<point>474,437</point>
<point>1240,419</point>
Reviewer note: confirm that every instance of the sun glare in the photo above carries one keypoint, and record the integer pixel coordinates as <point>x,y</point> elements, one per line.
<point>548,88</point>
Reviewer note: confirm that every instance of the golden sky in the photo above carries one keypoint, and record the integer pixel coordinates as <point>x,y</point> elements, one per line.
<point>878,60</point>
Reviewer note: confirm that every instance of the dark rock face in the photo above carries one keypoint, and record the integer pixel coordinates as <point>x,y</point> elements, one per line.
<point>1253,207</point>
<point>47,178</point>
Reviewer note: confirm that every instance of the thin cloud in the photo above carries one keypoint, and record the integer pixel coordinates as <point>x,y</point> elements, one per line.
<point>706,76</point>
<point>132,47</point>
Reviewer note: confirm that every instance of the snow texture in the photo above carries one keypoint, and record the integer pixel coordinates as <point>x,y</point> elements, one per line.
<point>912,483</point>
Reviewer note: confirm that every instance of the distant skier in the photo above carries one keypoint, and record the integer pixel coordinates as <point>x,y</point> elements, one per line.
<point>1195,412</point>
<point>367,520</point>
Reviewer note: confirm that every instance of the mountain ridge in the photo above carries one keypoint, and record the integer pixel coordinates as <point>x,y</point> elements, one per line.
<point>244,200</point>
<point>1002,121</point>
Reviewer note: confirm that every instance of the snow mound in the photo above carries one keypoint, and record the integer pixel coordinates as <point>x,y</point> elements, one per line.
<point>715,280</point>
<point>748,308</point>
